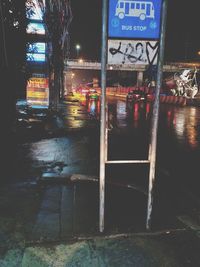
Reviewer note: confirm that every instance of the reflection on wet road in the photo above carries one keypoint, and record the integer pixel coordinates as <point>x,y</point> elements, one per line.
<point>179,129</point>
<point>77,149</point>
<point>184,124</point>
<point>178,149</point>
<point>79,115</point>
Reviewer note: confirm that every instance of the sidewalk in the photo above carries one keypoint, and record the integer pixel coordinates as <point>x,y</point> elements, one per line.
<point>53,221</point>
<point>136,250</point>
<point>62,234</point>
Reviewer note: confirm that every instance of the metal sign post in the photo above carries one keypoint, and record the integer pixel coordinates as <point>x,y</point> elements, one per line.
<point>155,116</point>
<point>117,29</point>
<point>103,117</point>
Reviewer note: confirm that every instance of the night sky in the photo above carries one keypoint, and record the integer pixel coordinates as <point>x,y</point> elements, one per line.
<point>182,36</point>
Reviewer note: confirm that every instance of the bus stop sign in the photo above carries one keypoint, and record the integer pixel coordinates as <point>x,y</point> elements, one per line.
<point>134,18</point>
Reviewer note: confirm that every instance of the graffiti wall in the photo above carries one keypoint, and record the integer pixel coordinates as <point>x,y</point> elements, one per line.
<point>132,52</point>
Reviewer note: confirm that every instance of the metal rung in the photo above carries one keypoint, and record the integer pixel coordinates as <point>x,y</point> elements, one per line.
<point>127,161</point>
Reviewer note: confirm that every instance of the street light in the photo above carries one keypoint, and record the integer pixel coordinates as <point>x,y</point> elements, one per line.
<point>80,60</point>
<point>78,47</point>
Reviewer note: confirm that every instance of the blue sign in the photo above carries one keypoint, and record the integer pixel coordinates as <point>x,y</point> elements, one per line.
<point>35,28</point>
<point>35,57</point>
<point>134,18</point>
<point>36,48</point>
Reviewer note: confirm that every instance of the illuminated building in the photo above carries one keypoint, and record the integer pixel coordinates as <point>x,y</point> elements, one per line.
<point>47,47</point>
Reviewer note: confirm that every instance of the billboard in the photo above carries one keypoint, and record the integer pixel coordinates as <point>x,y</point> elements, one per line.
<point>35,28</point>
<point>134,19</point>
<point>36,48</point>
<point>36,52</point>
<point>38,82</point>
<point>32,57</point>
<point>37,92</point>
<point>132,52</point>
<point>35,9</point>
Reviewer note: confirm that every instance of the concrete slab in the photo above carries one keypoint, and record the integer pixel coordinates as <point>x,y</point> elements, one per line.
<point>86,200</point>
<point>51,200</point>
<point>67,211</point>
<point>72,209</point>
<point>81,177</point>
<point>47,225</point>
<point>51,177</point>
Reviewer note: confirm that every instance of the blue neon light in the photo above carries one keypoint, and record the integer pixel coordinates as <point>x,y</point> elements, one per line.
<point>36,48</point>
<point>35,28</point>
<point>35,9</point>
<point>35,57</point>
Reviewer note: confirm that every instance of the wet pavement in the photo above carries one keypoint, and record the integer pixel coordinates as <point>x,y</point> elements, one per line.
<point>77,153</point>
<point>58,205</point>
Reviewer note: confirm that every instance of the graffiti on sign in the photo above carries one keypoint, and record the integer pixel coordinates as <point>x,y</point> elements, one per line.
<point>132,52</point>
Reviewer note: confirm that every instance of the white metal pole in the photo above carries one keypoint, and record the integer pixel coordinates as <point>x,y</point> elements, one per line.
<point>155,116</point>
<point>103,117</point>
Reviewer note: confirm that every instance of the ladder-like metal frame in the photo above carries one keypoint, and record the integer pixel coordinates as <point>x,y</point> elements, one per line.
<point>103,120</point>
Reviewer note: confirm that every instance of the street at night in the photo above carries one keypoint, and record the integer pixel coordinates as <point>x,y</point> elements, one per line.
<point>75,147</point>
<point>100,105</point>
<point>58,172</point>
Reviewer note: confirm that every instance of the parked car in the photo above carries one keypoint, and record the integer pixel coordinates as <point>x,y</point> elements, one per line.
<point>136,95</point>
<point>71,97</point>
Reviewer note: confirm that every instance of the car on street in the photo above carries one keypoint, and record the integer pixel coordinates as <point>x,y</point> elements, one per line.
<point>71,97</point>
<point>92,94</point>
<point>79,96</point>
<point>136,95</point>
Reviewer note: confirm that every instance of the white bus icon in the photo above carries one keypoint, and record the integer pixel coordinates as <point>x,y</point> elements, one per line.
<point>132,8</point>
